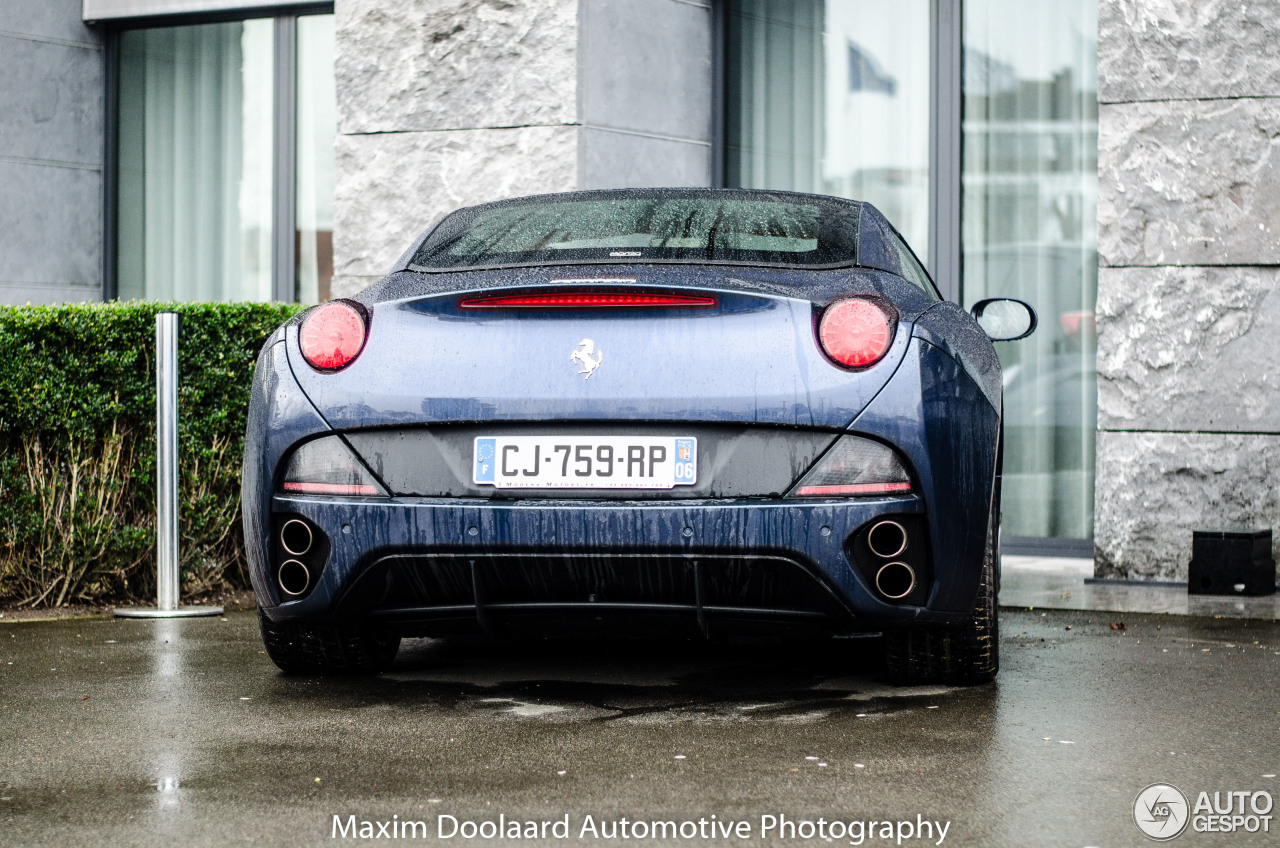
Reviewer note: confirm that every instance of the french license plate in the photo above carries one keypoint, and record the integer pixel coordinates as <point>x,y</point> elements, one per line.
<point>586,462</point>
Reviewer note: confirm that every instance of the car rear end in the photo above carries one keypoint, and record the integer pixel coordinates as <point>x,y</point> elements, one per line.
<point>750,477</point>
<point>677,449</point>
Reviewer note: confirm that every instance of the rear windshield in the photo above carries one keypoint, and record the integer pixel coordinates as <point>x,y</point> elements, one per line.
<point>725,228</point>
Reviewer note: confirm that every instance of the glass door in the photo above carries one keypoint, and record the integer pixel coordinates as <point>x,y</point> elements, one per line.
<point>845,97</point>
<point>1029,230</point>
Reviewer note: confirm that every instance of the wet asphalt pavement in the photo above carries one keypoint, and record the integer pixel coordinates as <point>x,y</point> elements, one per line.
<point>120,732</point>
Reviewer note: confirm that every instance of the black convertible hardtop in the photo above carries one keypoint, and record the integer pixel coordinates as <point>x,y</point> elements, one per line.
<point>683,226</point>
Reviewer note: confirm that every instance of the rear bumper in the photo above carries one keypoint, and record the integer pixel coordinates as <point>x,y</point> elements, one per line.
<point>433,566</point>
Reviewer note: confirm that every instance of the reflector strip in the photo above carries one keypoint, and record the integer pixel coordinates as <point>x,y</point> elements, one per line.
<point>588,299</point>
<point>331,489</point>
<point>854,489</point>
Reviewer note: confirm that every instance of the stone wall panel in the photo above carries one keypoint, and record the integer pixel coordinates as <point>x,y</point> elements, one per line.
<point>1154,489</point>
<point>51,100</point>
<point>51,130</point>
<point>455,64</point>
<point>392,186</point>
<point>1189,349</point>
<point>58,19</point>
<point>1189,183</point>
<point>1169,49</point>
<point>48,294</point>
<point>625,160</point>
<point>646,66</point>
<point>50,230</point>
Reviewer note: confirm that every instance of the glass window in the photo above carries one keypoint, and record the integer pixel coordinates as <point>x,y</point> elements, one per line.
<point>199,138</point>
<point>832,97</point>
<point>195,176</point>
<point>655,225</point>
<point>317,127</point>
<point>1030,195</point>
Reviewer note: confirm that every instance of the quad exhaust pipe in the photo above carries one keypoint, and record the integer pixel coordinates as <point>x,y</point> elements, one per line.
<point>296,537</point>
<point>303,556</point>
<point>887,539</point>
<point>294,578</point>
<point>893,568</point>
<point>896,580</point>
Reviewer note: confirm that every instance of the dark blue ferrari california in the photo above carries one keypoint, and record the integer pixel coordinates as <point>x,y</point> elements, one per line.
<point>712,413</point>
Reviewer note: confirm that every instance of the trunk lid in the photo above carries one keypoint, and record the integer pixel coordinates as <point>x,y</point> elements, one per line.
<point>753,358</point>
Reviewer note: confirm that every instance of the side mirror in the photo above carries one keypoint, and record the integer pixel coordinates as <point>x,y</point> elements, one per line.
<point>1005,319</point>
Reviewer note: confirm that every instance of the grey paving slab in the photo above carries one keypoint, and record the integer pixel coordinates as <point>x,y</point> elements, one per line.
<point>43,294</point>
<point>1154,490</point>
<point>392,186</point>
<point>1189,183</point>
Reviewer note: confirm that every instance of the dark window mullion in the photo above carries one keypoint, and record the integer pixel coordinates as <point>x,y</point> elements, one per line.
<point>944,147</point>
<point>110,164</point>
<point>716,179</point>
<point>284,166</point>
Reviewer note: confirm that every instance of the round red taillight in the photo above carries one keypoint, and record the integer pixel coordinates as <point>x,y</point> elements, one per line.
<point>856,332</point>
<point>332,336</point>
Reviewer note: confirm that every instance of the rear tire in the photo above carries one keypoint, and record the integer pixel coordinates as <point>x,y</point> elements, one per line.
<point>966,655</point>
<point>298,648</point>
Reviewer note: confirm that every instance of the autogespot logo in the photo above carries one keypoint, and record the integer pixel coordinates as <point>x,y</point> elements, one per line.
<point>1161,811</point>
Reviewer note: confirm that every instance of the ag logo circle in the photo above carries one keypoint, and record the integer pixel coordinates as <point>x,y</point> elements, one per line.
<point>1161,811</point>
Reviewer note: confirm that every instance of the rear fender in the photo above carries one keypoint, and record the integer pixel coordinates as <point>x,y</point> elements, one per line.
<point>279,416</point>
<point>940,418</point>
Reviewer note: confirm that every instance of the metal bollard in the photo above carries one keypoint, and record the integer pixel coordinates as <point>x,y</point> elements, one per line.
<point>167,581</point>
<point>167,461</point>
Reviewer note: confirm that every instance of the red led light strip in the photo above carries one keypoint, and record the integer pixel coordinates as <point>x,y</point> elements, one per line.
<point>854,489</point>
<point>596,299</point>
<point>331,489</point>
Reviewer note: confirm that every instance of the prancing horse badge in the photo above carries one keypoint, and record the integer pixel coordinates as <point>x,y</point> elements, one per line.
<point>583,356</point>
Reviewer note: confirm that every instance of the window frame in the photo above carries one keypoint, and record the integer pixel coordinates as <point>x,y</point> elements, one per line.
<point>284,132</point>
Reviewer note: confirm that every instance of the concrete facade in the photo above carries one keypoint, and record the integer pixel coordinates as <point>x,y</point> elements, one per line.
<point>51,142</point>
<point>1188,301</point>
<point>445,104</point>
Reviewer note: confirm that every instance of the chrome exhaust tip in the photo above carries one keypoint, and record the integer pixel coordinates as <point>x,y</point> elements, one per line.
<point>294,578</point>
<point>887,539</point>
<point>896,580</point>
<point>296,537</point>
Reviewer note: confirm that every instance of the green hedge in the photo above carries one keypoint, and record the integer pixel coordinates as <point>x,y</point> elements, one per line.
<point>77,426</point>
